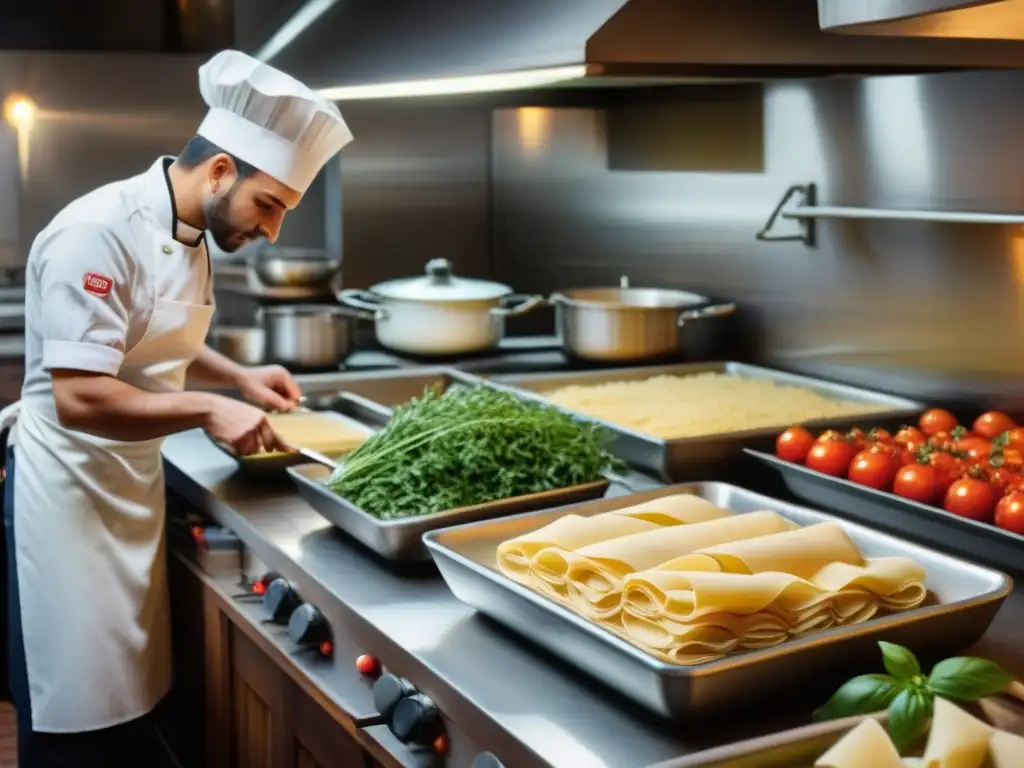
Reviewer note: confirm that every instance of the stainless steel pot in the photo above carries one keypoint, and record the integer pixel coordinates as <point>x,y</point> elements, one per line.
<point>618,325</point>
<point>439,314</point>
<point>305,335</point>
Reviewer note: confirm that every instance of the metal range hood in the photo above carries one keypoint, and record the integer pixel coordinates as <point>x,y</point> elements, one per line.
<point>346,47</point>
<point>956,19</point>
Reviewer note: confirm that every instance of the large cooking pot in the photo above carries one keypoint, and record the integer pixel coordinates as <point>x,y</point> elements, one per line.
<point>305,335</point>
<point>439,314</point>
<point>619,325</point>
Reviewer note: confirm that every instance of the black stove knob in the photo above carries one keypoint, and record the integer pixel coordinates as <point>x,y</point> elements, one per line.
<point>486,760</point>
<point>388,691</point>
<point>414,720</point>
<point>280,600</point>
<point>307,626</point>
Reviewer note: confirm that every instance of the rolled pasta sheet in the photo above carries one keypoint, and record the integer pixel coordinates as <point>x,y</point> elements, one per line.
<point>801,552</point>
<point>866,746</point>
<point>515,556</point>
<point>549,565</point>
<point>594,573</point>
<point>897,582</point>
<point>720,632</point>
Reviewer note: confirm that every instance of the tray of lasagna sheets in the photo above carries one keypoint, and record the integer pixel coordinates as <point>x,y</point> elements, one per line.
<point>694,598</point>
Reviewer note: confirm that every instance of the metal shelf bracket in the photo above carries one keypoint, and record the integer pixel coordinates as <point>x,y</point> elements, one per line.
<point>797,196</point>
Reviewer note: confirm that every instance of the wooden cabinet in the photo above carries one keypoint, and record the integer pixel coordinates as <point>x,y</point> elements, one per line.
<point>234,705</point>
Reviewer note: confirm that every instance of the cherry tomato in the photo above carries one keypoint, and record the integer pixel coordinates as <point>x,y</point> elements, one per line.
<point>942,441</point>
<point>1014,438</point>
<point>793,444</point>
<point>1012,458</point>
<point>1010,512</point>
<point>1003,480</point>
<point>907,435</point>
<point>831,457</point>
<point>974,447</point>
<point>993,423</point>
<point>830,435</point>
<point>949,469</point>
<point>874,468</point>
<point>879,435</point>
<point>857,435</point>
<point>937,420</point>
<point>919,482</point>
<point>972,498</point>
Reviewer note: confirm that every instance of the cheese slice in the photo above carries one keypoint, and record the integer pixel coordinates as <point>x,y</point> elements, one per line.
<point>316,431</point>
<point>866,746</point>
<point>957,739</point>
<point>1006,750</point>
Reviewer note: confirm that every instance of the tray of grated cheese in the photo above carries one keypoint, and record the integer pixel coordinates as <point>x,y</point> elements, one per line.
<point>695,599</point>
<point>691,420</point>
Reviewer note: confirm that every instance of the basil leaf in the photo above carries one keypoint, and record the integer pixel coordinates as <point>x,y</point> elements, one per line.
<point>862,695</point>
<point>899,662</point>
<point>966,678</point>
<point>908,717</point>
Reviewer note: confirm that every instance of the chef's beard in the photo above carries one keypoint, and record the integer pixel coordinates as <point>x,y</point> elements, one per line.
<point>221,224</point>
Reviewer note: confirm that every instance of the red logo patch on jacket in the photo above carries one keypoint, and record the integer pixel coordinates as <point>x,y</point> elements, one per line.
<point>96,284</point>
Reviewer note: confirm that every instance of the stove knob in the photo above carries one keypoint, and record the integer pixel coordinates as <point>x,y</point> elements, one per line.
<point>280,600</point>
<point>388,691</point>
<point>414,720</point>
<point>486,760</point>
<point>307,626</point>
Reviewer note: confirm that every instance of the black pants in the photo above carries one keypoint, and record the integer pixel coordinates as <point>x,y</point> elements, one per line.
<point>136,743</point>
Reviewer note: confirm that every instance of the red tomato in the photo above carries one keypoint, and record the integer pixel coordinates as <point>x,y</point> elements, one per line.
<point>857,436</point>
<point>793,444</point>
<point>949,469</point>
<point>1014,438</point>
<point>1003,480</point>
<point>974,447</point>
<point>831,457</point>
<point>937,420</point>
<point>919,482</point>
<point>1010,513</point>
<point>874,468</point>
<point>993,423</point>
<point>879,435</point>
<point>830,435</point>
<point>1012,458</point>
<point>909,435</point>
<point>942,441</point>
<point>972,498</point>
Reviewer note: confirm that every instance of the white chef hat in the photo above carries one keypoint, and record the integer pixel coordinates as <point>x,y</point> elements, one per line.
<point>269,119</point>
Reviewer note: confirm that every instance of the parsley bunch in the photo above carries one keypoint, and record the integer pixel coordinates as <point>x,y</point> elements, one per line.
<point>468,446</point>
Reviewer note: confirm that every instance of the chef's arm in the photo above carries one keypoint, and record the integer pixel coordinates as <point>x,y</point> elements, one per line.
<point>103,405</point>
<point>211,368</point>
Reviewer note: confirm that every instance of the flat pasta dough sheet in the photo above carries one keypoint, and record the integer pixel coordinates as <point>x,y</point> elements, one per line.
<point>317,432</point>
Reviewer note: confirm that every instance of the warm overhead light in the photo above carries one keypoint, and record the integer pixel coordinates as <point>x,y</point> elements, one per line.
<point>19,111</point>
<point>291,29</point>
<point>447,86</point>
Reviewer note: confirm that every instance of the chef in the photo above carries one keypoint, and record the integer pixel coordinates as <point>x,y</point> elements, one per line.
<point>118,304</point>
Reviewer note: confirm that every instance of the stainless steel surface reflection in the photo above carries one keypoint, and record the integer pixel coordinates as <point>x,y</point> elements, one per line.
<point>924,309</point>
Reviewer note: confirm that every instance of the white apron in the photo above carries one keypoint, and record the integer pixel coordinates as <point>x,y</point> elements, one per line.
<point>90,544</point>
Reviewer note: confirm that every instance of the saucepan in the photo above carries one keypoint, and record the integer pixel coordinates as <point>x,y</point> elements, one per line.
<point>626,325</point>
<point>311,268</point>
<point>439,314</point>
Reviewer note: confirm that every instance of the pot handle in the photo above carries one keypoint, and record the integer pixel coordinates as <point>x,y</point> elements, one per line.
<point>717,310</point>
<point>520,303</point>
<point>368,304</point>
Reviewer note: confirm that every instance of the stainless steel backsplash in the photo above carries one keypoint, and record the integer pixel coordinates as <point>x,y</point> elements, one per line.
<point>934,310</point>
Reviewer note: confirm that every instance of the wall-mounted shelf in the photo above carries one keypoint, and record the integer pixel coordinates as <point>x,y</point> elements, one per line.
<point>799,204</point>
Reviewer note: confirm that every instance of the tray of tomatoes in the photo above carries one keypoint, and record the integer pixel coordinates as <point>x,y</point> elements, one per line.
<point>955,487</point>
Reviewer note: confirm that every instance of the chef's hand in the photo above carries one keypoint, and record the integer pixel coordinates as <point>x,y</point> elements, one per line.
<point>271,387</point>
<point>242,427</point>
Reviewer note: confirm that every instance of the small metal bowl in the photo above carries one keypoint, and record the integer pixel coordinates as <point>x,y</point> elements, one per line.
<point>278,272</point>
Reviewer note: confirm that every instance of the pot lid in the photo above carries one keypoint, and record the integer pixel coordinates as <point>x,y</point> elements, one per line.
<point>439,284</point>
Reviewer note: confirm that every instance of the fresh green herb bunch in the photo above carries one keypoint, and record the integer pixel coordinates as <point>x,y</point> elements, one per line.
<point>909,695</point>
<point>468,446</point>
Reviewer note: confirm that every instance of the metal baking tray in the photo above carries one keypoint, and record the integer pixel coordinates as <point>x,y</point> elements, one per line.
<point>352,411</point>
<point>974,540</point>
<point>402,539</point>
<point>691,458</point>
<point>966,597</point>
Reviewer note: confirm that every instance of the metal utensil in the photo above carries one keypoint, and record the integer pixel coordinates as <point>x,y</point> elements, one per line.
<point>278,267</point>
<point>305,335</point>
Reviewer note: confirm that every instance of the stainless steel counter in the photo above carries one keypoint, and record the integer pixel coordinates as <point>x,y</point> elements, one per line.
<point>526,707</point>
